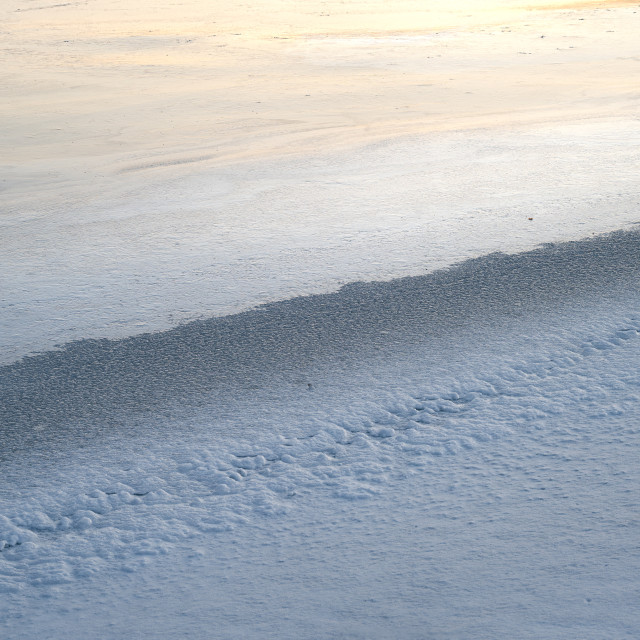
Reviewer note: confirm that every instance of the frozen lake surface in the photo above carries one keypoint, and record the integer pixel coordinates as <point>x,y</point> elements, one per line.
<point>163,164</point>
<point>319,321</point>
<point>450,455</point>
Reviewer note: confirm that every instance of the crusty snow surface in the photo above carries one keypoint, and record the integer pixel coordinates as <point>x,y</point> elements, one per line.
<point>447,456</point>
<point>319,320</point>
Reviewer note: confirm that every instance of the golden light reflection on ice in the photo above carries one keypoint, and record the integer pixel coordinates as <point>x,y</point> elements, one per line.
<point>118,85</point>
<point>217,142</point>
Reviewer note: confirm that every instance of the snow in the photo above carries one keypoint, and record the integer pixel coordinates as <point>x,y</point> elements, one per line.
<point>330,367</point>
<point>295,161</point>
<point>470,477</point>
<point>129,265</point>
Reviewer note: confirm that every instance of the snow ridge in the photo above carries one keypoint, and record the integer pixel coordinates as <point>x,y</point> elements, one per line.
<point>147,510</point>
<point>92,387</point>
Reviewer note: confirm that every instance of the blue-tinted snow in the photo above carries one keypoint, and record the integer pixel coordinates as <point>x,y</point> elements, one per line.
<point>448,456</point>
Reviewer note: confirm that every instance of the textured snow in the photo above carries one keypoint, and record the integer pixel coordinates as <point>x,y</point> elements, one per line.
<point>130,264</point>
<point>321,321</point>
<point>315,146</point>
<point>462,462</point>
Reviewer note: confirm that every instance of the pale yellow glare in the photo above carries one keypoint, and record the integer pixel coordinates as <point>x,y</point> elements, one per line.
<point>110,86</point>
<point>268,18</point>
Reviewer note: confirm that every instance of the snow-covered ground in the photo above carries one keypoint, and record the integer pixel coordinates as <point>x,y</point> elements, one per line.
<point>331,318</point>
<point>464,464</point>
<point>160,168</point>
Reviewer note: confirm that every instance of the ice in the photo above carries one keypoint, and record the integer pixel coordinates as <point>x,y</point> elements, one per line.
<point>420,483</point>
<point>412,151</point>
<point>319,321</point>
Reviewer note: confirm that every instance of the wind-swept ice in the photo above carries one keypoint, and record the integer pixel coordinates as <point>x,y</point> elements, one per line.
<point>181,161</point>
<point>319,321</point>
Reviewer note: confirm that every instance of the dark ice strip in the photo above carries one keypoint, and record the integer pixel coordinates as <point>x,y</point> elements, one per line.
<point>93,387</point>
